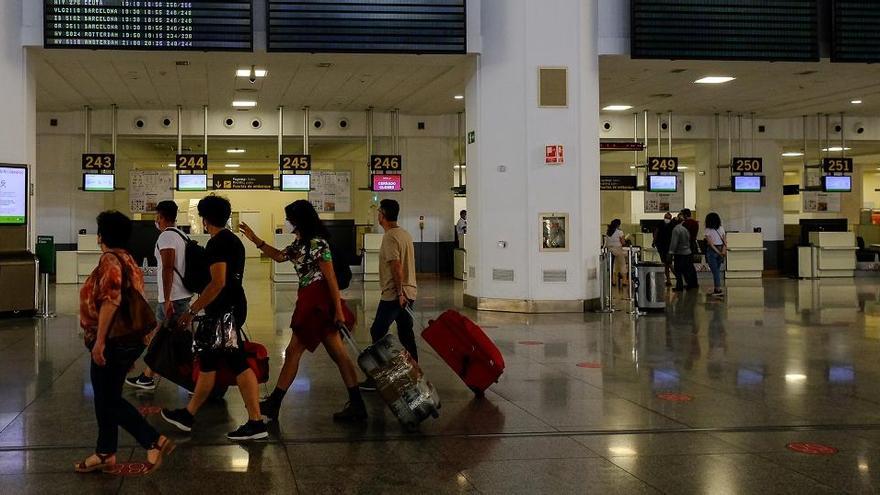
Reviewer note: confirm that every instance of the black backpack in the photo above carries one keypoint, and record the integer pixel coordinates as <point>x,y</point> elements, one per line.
<point>340,267</point>
<point>196,272</point>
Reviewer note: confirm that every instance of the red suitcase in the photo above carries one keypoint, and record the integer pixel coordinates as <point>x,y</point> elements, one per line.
<point>466,349</point>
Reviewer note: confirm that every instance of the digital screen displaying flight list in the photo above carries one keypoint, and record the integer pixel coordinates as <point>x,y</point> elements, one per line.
<point>198,25</point>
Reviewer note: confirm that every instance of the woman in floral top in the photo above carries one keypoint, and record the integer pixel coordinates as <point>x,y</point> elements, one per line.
<point>319,308</point>
<point>100,298</point>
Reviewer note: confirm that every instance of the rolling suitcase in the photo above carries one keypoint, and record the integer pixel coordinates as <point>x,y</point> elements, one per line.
<point>466,349</point>
<point>399,379</point>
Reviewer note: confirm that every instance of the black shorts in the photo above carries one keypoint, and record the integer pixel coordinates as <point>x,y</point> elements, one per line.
<point>234,360</point>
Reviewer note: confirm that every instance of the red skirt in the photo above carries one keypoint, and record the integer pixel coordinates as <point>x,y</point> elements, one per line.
<point>315,314</point>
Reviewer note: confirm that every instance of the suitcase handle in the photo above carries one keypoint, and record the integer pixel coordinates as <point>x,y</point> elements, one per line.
<point>346,336</point>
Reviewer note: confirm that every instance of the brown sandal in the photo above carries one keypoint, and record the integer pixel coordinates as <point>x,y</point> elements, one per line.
<point>83,467</point>
<point>165,446</point>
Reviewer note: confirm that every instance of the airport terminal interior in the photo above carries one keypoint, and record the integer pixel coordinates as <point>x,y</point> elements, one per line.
<point>581,138</point>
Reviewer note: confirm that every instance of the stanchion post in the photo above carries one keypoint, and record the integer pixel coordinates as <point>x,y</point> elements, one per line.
<point>44,310</point>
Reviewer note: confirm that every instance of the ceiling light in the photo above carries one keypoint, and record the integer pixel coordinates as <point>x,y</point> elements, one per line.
<point>682,168</point>
<point>232,165</point>
<point>856,102</point>
<point>617,108</point>
<point>172,165</point>
<point>244,103</point>
<point>715,80</point>
<point>236,150</point>
<point>790,154</point>
<point>459,97</point>
<point>835,149</point>
<point>247,72</point>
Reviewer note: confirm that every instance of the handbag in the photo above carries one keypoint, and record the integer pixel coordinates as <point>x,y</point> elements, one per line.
<point>216,333</point>
<point>257,358</point>
<point>170,355</point>
<point>134,319</point>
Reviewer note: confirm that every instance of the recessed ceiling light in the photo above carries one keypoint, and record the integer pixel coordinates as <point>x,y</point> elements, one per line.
<point>617,108</point>
<point>236,150</point>
<point>247,72</point>
<point>789,154</point>
<point>232,165</point>
<point>244,103</point>
<point>459,97</point>
<point>714,80</point>
<point>856,102</point>
<point>172,165</point>
<point>683,168</point>
<point>835,149</point>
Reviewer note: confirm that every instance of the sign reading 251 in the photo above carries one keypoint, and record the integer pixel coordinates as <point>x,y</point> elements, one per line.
<point>837,165</point>
<point>386,163</point>
<point>98,161</point>
<point>192,162</point>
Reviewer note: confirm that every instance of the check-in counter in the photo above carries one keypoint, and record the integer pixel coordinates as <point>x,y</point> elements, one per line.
<point>88,253</point>
<point>283,272</point>
<point>372,243</point>
<point>745,255</point>
<point>832,254</point>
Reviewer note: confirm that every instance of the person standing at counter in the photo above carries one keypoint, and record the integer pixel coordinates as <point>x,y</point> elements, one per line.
<point>319,311</point>
<point>662,237</point>
<point>716,249</point>
<point>683,259</point>
<point>614,242</point>
<point>173,296</point>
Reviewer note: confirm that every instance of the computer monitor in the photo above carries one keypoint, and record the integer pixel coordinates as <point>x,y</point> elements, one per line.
<point>99,182</point>
<point>13,195</point>
<point>746,183</point>
<point>296,182</point>
<point>662,183</point>
<point>192,182</point>
<point>387,183</point>
<point>837,183</point>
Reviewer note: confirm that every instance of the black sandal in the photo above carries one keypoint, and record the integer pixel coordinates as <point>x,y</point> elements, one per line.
<point>83,467</point>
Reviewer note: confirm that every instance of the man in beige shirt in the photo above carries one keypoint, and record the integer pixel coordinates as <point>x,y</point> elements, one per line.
<point>397,277</point>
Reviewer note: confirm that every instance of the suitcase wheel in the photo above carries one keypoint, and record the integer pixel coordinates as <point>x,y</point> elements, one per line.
<point>435,414</point>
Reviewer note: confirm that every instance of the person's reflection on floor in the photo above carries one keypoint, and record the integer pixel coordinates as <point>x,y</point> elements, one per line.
<point>717,312</point>
<point>681,316</point>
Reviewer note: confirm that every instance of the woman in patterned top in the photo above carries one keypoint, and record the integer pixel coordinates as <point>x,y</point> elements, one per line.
<point>319,308</point>
<point>100,298</point>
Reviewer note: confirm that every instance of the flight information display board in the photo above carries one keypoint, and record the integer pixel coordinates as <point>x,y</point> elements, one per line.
<point>773,30</point>
<point>199,25</point>
<point>379,26</point>
<point>855,35</point>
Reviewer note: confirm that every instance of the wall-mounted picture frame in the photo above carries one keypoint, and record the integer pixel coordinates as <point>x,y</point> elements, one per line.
<point>554,232</point>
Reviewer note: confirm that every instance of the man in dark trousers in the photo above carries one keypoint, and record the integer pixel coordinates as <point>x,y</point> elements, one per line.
<point>693,228</point>
<point>680,250</point>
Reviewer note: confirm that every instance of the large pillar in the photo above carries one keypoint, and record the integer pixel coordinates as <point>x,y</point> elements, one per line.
<point>509,185</point>
<point>18,132</point>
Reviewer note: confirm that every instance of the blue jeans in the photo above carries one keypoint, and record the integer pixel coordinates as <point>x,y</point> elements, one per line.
<point>389,312</point>
<point>715,260</point>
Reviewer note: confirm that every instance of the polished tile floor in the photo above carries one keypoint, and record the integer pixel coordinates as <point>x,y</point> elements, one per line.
<point>706,398</point>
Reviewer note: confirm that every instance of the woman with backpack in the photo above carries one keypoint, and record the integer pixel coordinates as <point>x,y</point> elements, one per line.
<point>319,308</point>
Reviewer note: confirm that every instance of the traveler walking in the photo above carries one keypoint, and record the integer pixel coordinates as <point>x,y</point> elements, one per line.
<point>173,296</point>
<point>319,311</point>
<point>716,249</point>
<point>397,278</point>
<point>223,296</point>
<point>115,318</point>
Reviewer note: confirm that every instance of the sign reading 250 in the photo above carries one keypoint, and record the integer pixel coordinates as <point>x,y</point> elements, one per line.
<point>192,162</point>
<point>98,161</point>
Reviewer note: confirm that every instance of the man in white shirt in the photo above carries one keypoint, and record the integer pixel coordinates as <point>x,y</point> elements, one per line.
<point>173,297</point>
<point>461,228</point>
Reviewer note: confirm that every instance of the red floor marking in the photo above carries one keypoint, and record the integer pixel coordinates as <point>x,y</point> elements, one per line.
<point>675,397</point>
<point>811,448</point>
<point>531,342</point>
<point>149,410</point>
<point>589,365</point>
<point>128,469</point>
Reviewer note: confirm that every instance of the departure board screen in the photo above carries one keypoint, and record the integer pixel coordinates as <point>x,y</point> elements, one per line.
<point>855,35</point>
<point>379,26</point>
<point>198,25</point>
<point>773,30</point>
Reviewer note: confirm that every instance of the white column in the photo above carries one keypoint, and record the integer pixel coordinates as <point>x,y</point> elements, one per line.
<point>509,185</point>
<point>18,132</point>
